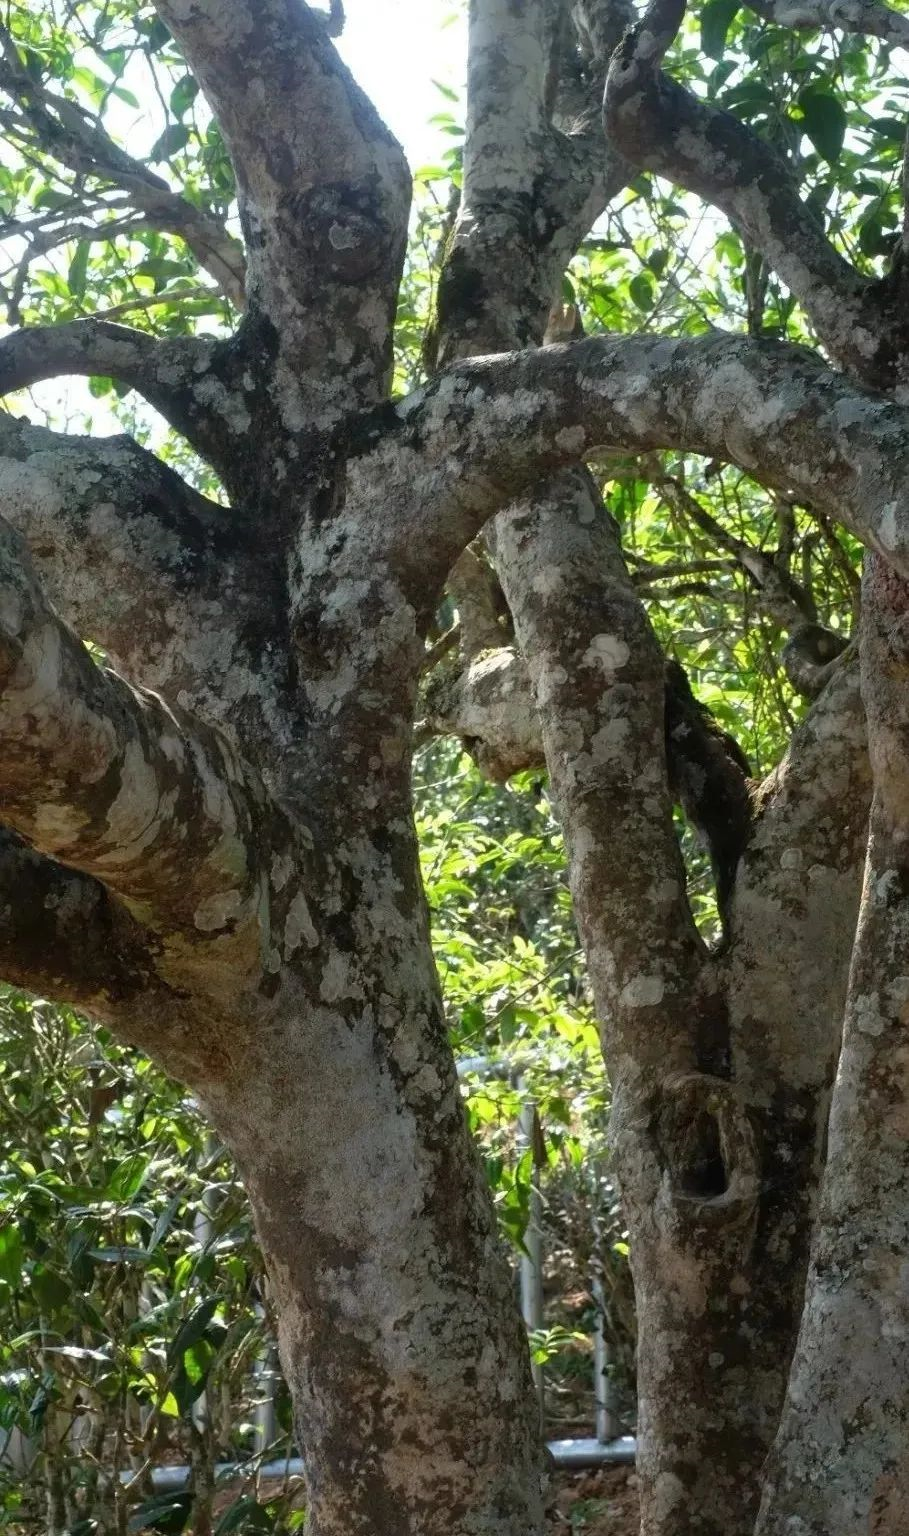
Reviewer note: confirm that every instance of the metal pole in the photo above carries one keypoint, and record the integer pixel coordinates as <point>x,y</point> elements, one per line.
<point>532,1257</point>
<point>264,1410</point>
<point>602,1384</point>
<point>203,1231</point>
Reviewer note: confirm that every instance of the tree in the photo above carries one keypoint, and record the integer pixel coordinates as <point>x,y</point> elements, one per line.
<point>209,844</point>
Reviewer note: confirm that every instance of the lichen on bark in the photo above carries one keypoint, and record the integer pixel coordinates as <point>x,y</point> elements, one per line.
<point>213,838</point>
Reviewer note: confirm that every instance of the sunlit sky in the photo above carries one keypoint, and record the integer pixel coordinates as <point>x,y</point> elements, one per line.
<point>396,49</point>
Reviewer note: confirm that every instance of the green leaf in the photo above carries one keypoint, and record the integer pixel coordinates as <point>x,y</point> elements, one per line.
<point>157,34</point>
<point>50,197</point>
<point>183,95</point>
<point>78,268</point>
<point>875,237</point>
<point>889,128</point>
<point>11,1254</point>
<point>174,138</point>
<point>716,19</point>
<point>824,121</point>
<point>246,1514</point>
<point>186,1391</point>
<point>126,1179</point>
<point>192,1328</point>
<point>123,1253</point>
<point>50,1290</point>
<point>167,1512</point>
<point>162,1225</point>
<point>641,290</point>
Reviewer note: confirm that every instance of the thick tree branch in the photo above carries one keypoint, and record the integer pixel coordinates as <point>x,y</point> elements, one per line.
<point>132,557</point>
<point>662,126</point>
<point>599,686</point>
<point>531,192</point>
<point>507,111</point>
<point>852,1360</point>
<point>89,346</point>
<point>69,135</point>
<point>177,590</point>
<point>200,385</point>
<point>323,186</point>
<point>485,430</point>
<point>113,782</point>
<point>62,934</point>
<point>796,899</point>
<point>784,976</point>
<point>864,16</point>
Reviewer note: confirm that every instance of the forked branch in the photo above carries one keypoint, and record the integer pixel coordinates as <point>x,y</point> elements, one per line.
<point>323,186</point>
<point>532,189</point>
<point>663,127</point>
<point>198,383</point>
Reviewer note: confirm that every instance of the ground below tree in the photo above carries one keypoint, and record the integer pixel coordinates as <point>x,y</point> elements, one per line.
<point>603,1502</point>
<point>600,1502</point>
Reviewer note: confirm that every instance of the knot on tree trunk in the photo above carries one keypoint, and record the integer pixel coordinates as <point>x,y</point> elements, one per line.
<point>706,1149</point>
<point>811,656</point>
<point>489,705</point>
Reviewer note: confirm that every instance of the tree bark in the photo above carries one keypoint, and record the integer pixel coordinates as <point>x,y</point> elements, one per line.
<point>718,1176</point>
<point>840,1462</point>
<point>241,840</point>
<point>397,1331</point>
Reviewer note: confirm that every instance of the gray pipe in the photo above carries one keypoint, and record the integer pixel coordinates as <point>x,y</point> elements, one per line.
<point>565,1453</point>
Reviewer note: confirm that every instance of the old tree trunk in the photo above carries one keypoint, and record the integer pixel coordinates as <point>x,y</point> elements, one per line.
<point>210,845</point>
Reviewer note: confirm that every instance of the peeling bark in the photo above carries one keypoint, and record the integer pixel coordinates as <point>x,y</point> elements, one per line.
<point>111,780</point>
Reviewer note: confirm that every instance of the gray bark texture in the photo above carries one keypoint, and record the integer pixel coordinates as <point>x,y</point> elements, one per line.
<point>209,843</point>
